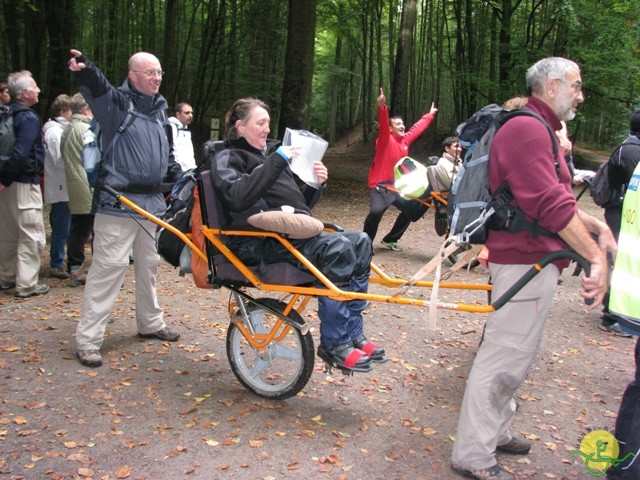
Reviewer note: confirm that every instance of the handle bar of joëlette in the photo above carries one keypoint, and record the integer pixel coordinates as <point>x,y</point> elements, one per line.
<point>140,211</point>
<point>382,279</point>
<point>535,269</point>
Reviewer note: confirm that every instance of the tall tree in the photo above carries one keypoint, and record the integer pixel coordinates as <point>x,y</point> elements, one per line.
<point>299,65</point>
<point>404,56</point>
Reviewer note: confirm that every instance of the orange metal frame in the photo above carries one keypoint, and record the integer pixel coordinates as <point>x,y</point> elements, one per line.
<point>214,235</point>
<point>301,295</point>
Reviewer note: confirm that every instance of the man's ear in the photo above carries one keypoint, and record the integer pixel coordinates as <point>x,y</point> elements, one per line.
<point>551,87</point>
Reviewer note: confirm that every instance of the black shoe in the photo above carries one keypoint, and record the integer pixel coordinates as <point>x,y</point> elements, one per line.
<point>346,358</point>
<point>7,286</point>
<point>166,335</point>
<point>614,328</point>
<point>375,352</point>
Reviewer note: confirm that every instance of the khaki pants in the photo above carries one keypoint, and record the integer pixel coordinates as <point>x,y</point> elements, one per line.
<point>510,344</point>
<point>22,236</point>
<point>114,239</point>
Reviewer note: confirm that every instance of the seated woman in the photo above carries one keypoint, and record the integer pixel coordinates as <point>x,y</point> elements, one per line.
<point>251,176</point>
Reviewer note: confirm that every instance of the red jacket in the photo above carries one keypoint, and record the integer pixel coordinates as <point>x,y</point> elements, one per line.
<point>390,148</point>
<point>522,154</point>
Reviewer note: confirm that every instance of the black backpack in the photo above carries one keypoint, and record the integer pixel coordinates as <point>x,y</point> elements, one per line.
<point>7,133</point>
<point>472,207</point>
<point>603,191</point>
<point>178,215</point>
<point>599,188</point>
<point>472,130</point>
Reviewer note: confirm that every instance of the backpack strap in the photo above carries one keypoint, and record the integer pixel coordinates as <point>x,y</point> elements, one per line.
<point>128,120</point>
<point>510,217</point>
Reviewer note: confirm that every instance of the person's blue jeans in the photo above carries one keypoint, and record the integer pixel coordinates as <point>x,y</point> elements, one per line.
<point>60,221</point>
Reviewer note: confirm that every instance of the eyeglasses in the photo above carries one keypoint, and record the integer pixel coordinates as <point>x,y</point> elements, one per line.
<point>151,73</point>
<point>577,85</point>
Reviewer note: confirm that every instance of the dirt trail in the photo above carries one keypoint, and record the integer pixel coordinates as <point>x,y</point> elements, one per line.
<point>167,411</point>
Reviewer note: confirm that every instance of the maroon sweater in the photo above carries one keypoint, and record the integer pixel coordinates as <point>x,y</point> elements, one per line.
<point>522,155</point>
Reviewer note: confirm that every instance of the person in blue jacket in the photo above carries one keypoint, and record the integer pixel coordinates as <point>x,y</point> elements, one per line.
<point>22,236</point>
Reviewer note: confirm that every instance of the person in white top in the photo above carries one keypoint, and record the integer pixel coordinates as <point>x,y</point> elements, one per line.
<point>182,146</point>
<point>449,164</point>
<point>55,184</point>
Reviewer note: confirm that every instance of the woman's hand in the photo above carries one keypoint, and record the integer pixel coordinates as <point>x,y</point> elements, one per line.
<point>321,172</point>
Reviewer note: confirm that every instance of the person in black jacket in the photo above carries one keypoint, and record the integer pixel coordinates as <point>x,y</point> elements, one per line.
<point>622,163</point>
<point>139,162</point>
<point>252,175</point>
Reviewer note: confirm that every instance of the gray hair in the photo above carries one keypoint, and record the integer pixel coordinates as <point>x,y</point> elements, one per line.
<point>18,82</point>
<point>543,70</point>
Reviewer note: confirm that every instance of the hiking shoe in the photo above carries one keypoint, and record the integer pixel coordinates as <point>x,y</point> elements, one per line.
<point>58,273</point>
<point>345,357</point>
<point>375,352</point>
<point>78,277</point>
<point>166,335</point>
<point>90,358</point>
<point>7,286</point>
<point>392,246</point>
<point>515,446</point>
<point>614,328</point>
<point>40,289</point>
<point>492,473</point>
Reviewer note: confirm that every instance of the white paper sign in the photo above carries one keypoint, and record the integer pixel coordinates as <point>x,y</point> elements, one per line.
<point>310,149</point>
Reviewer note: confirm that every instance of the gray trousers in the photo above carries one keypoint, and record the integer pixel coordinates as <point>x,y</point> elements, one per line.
<point>510,344</point>
<point>114,239</point>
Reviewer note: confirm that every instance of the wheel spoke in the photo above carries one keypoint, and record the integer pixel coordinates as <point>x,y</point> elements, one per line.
<point>284,351</point>
<point>260,366</point>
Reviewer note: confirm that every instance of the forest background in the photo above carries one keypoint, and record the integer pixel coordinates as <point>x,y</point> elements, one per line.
<point>320,64</point>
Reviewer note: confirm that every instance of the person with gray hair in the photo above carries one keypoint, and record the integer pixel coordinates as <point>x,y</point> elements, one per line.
<point>524,154</point>
<point>22,236</point>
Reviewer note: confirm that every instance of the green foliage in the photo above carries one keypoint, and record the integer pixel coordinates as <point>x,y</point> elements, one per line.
<point>466,53</point>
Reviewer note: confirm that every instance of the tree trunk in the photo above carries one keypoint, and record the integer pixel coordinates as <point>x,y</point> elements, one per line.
<point>298,72</point>
<point>335,87</point>
<point>404,57</point>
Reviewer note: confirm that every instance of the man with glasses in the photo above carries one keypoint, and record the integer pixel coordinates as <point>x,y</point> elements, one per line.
<point>138,162</point>
<point>182,146</point>
<point>22,236</point>
<point>524,154</point>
